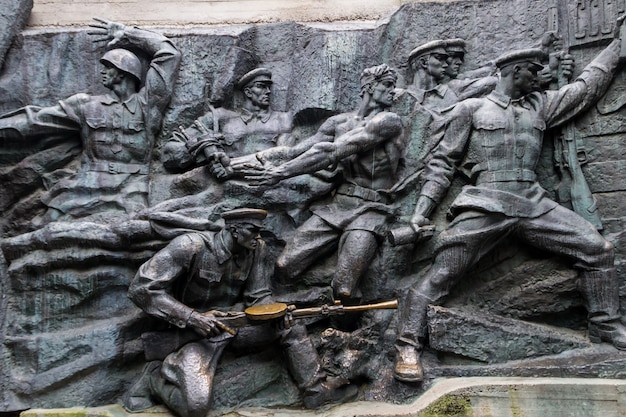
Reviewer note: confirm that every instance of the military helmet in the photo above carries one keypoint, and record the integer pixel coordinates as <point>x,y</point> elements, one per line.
<point>123,60</point>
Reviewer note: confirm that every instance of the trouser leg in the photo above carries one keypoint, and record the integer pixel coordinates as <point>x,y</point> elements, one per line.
<point>302,357</point>
<point>469,237</point>
<point>311,240</point>
<point>601,292</point>
<point>306,369</point>
<point>413,311</point>
<point>185,383</point>
<point>356,251</point>
<point>564,232</point>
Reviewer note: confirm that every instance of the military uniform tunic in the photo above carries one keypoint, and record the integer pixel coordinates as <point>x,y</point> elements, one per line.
<point>117,137</point>
<point>497,142</point>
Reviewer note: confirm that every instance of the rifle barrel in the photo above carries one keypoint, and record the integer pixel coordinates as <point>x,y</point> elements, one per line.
<point>340,309</point>
<point>392,304</point>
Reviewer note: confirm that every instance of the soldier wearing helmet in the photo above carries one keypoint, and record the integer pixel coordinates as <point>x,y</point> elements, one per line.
<point>123,60</point>
<point>116,129</point>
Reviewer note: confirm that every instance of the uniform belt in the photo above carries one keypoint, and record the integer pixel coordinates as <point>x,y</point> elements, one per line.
<point>507,176</point>
<point>116,168</point>
<point>368,194</point>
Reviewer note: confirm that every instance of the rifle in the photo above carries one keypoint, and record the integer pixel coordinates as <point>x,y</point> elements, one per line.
<point>265,312</point>
<point>570,153</point>
<point>158,344</point>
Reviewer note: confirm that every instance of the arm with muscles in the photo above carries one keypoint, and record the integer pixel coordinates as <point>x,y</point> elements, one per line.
<point>151,288</point>
<point>442,166</point>
<point>382,127</point>
<point>255,163</point>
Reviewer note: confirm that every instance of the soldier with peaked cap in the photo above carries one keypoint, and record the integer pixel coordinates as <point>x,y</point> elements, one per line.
<point>497,140</point>
<point>222,134</point>
<point>455,48</point>
<point>429,63</point>
<point>367,143</point>
<point>117,129</point>
<point>419,105</point>
<point>189,284</point>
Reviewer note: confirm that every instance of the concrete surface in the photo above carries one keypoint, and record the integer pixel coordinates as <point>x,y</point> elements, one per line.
<point>475,397</point>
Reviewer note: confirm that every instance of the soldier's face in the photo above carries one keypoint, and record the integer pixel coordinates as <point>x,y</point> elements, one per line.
<point>110,76</point>
<point>259,93</point>
<point>246,236</point>
<point>454,65</point>
<point>383,92</point>
<point>436,65</point>
<point>527,79</point>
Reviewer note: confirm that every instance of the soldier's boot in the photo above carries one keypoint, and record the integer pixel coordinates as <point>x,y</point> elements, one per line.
<point>601,290</point>
<point>139,397</point>
<point>408,364</point>
<point>329,390</point>
<point>412,325</point>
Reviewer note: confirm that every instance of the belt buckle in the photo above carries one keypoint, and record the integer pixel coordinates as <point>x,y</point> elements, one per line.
<point>111,166</point>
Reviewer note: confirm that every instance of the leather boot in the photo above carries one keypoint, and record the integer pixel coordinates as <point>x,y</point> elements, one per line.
<point>330,390</point>
<point>613,332</point>
<point>408,365</point>
<point>601,291</point>
<point>139,397</point>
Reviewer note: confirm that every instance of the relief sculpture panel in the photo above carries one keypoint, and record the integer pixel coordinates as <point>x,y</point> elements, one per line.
<point>301,216</point>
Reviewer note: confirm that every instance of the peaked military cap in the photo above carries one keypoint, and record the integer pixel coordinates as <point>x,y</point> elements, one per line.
<point>432,47</point>
<point>257,74</point>
<point>455,46</point>
<point>533,56</point>
<point>245,215</point>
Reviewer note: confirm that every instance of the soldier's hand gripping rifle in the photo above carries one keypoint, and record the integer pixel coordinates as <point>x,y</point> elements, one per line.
<point>159,344</point>
<point>265,312</point>
<point>570,152</point>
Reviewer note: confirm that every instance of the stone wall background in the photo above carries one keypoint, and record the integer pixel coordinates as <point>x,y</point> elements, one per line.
<point>199,12</point>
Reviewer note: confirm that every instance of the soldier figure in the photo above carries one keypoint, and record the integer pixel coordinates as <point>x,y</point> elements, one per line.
<point>189,284</point>
<point>420,105</point>
<point>222,134</point>
<point>368,144</point>
<point>117,129</point>
<point>497,139</point>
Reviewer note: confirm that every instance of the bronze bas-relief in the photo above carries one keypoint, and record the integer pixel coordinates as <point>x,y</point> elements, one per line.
<point>356,164</point>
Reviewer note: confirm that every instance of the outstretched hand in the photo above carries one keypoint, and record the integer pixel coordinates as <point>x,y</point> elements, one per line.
<point>107,31</point>
<point>260,176</point>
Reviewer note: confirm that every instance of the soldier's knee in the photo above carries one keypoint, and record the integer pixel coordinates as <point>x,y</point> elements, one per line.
<point>284,270</point>
<point>608,247</point>
<point>441,277</point>
<point>600,253</point>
